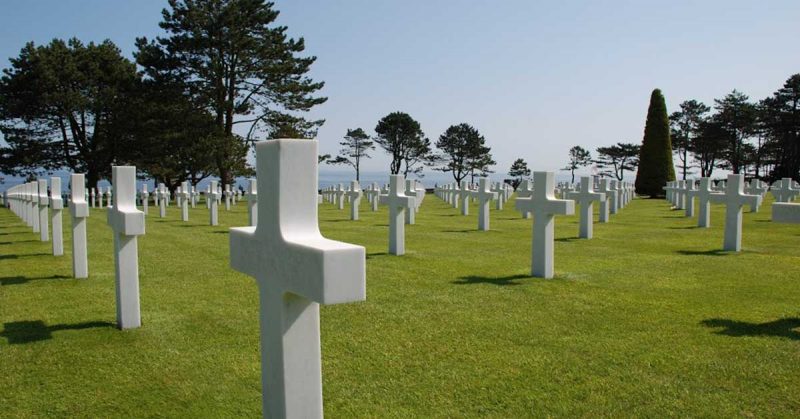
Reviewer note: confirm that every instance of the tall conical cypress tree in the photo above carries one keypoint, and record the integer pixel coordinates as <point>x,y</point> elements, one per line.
<point>655,158</point>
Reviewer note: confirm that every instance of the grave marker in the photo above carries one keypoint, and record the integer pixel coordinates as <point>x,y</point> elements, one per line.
<point>79,211</point>
<point>585,197</point>
<point>398,203</point>
<point>57,205</point>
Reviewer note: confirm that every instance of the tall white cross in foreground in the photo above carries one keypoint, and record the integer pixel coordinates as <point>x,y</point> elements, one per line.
<point>735,198</point>
<point>127,223</point>
<point>296,270</point>
<point>585,195</point>
<point>544,206</point>
<point>57,205</point>
<point>79,210</point>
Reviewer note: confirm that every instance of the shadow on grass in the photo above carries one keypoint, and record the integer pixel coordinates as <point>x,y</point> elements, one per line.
<point>221,232</point>
<point>459,231</point>
<point>502,280</point>
<point>16,280</point>
<point>683,228</point>
<point>376,254</point>
<point>673,216</point>
<point>713,252</point>
<point>782,328</point>
<point>568,239</point>
<point>32,331</point>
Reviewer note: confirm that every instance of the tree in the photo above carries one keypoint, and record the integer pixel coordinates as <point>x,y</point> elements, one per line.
<point>780,119</point>
<point>578,157</point>
<point>618,158</point>
<point>242,69</point>
<point>402,138</point>
<point>464,151</point>
<point>708,146</point>
<point>65,105</point>
<point>655,158</point>
<point>323,158</point>
<point>737,118</point>
<point>685,125</point>
<point>519,170</point>
<point>355,147</point>
<point>481,165</point>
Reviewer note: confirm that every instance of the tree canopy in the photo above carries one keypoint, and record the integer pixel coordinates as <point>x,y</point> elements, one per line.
<point>402,138</point>
<point>464,151</point>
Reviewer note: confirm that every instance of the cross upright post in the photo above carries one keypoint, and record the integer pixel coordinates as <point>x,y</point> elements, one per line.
<point>34,204</point>
<point>145,198</point>
<point>185,195</point>
<point>464,194</point>
<point>57,205</point>
<point>296,269</point>
<point>689,196</point>
<point>162,203</point>
<point>611,197</point>
<point>79,211</point>
<point>585,197</point>
<point>705,196</point>
<point>454,191</point>
<point>227,197</point>
<point>544,206</point>
<point>127,222</point>
<point>525,190</point>
<point>783,190</point>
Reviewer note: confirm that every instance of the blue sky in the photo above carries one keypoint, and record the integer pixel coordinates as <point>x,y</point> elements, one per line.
<point>534,77</point>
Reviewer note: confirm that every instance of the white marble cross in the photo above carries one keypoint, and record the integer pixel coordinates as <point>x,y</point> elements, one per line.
<point>339,195</point>
<point>213,206</point>
<point>783,190</point>
<point>44,216</point>
<point>411,190</point>
<point>614,186</point>
<point>611,197</point>
<point>680,197</point>
<point>252,202</point>
<point>454,192</point>
<point>464,193</point>
<point>485,195</point>
<point>145,198</point>
<point>127,223</point>
<point>185,195</point>
<point>525,190</point>
<point>585,197</point>
<point>735,198</point>
<point>355,199</point>
<point>108,197</point>
<point>227,197</point>
<point>162,202</point>
<point>57,205</point>
<point>374,193</point>
<point>79,211</point>
<point>544,206</point>
<point>33,198</point>
<point>91,197</point>
<point>296,270</point>
<point>501,195</point>
<point>705,196</point>
<point>688,197</point>
<point>398,203</point>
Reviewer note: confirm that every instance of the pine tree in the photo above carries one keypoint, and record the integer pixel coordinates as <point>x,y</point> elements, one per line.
<point>655,160</point>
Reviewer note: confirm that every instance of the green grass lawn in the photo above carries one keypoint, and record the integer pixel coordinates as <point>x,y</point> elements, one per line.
<point>646,319</point>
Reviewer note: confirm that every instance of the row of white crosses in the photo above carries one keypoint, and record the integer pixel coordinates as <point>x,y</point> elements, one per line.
<point>682,195</point>
<point>783,210</point>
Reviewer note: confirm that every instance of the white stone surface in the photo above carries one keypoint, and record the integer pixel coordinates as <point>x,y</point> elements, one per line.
<point>398,202</point>
<point>688,196</point>
<point>544,207</point>
<point>127,222</point>
<point>79,211</point>
<point>705,196</point>
<point>162,202</point>
<point>585,196</point>
<point>57,207</point>
<point>33,198</point>
<point>525,191</point>
<point>145,198</point>
<point>44,216</point>
<point>735,198</point>
<point>605,204</point>
<point>485,195</point>
<point>786,212</point>
<point>296,270</point>
<point>784,191</point>
<point>228,194</point>
<point>185,197</point>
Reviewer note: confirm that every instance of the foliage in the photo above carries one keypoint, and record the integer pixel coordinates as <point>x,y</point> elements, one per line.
<point>618,158</point>
<point>780,121</point>
<point>402,138</point>
<point>235,64</point>
<point>519,171</point>
<point>464,150</point>
<point>685,125</point>
<point>356,146</point>
<point>65,105</point>
<point>736,117</point>
<point>578,157</point>
<point>655,159</point>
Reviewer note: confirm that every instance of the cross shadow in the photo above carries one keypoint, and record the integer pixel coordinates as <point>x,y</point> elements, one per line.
<point>502,280</point>
<point>372,255</point>
<point>25,255</point>
<point>673,216</point>
<point>221,232</point>
<point>682,228</point>
<point>458,231</point>
<point>782,328</point>
<point>568,239</point>
<point>35,330</point>
<point>16,280</point>
<point>20,241</point>
<point>381,225</point>
<point>712,252</point>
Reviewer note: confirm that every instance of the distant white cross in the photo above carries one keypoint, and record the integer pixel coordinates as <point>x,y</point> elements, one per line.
<point>57,205</point>
<point>585,197</point>
<point>398,203</point>
<point>79,211</point>
<point>485,195</point>
<point>735,198</point>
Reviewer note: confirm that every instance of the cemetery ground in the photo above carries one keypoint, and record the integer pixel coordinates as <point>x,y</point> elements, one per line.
<point>648,318</point>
